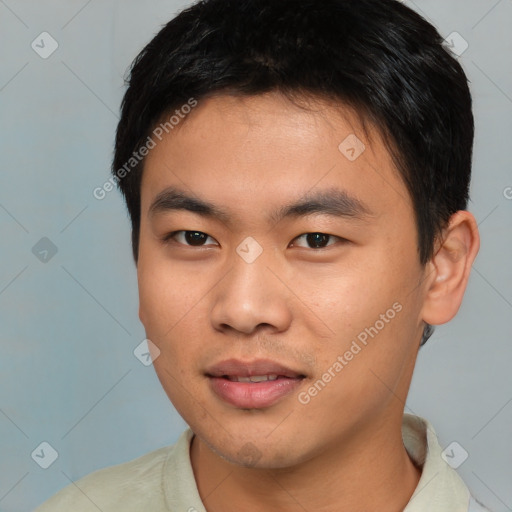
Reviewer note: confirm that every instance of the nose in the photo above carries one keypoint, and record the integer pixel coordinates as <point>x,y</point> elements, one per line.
<point>249,298</point>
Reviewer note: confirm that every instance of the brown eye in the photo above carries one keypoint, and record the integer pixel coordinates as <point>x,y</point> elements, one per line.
<point>191,238</point>
<point>315,240</point>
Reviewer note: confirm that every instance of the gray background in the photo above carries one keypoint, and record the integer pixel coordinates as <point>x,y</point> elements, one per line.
<point>69,324</point>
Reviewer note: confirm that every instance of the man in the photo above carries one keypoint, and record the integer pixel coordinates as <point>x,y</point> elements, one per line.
<point>297,174</point>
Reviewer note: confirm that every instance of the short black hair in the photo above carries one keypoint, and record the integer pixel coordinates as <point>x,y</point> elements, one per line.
<point>378,57</point>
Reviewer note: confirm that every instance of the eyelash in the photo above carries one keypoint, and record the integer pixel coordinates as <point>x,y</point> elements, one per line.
<point>172,237</point>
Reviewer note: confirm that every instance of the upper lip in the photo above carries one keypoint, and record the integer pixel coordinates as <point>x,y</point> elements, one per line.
<point>237,368</point>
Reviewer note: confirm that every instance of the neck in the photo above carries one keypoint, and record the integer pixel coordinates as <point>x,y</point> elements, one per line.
<point>373,473</point>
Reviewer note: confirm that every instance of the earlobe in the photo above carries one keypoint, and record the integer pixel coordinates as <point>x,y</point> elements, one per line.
<point>450,267</point>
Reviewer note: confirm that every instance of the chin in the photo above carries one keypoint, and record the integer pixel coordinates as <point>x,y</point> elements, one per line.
<point>256,453</point>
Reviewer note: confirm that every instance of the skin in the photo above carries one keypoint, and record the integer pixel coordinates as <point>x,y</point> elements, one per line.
<point>294,304</point>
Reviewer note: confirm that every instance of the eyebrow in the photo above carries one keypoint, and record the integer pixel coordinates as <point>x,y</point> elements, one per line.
<point>335,202</point>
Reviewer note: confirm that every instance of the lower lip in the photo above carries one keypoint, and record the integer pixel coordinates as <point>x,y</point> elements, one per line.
<point>253,395</point>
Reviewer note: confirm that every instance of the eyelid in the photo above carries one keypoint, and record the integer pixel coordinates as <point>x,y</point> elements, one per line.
<point>171,237</point>
<point>335,238</point>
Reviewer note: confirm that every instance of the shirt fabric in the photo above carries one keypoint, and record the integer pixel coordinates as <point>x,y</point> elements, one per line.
<point>163,481</point>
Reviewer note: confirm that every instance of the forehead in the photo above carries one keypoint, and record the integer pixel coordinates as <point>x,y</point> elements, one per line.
<point>264,150</point>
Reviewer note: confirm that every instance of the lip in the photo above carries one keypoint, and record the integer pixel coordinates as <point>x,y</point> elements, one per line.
<point>252,395</point>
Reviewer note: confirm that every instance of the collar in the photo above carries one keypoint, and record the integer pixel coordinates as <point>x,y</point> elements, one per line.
<point>440,488</point>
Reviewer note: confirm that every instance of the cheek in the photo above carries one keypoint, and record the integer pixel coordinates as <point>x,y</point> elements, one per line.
<point>166,296</point>
<point>170,305</point>
<point>174,308</point>
<point>359,373</point>
<point>349,297</point>
<point>371,314</point>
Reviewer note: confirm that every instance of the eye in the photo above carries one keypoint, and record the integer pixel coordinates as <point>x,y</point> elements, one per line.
<point>315,240</point>
<point>191,238</point>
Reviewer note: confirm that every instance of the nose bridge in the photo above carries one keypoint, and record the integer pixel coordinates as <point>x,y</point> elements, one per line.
<point>249,264</point>
<point>249,280</point>
<point>250,295</point>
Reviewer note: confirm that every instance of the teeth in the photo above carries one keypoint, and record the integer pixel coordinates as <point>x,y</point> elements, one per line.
<point>262,378</point>
<point>254,378</point>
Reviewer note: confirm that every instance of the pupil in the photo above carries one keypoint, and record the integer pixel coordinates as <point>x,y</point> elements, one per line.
<point>317,240</point>
<point>195,237</point>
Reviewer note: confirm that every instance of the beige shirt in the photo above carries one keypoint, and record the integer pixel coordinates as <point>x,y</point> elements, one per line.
<point>163,481</point>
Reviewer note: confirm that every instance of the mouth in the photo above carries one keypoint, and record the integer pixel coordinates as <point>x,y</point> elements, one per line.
<point>254,378</point>
<point>252,385</point>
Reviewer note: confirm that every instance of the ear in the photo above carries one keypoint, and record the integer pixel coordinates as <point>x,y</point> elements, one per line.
<point>448,271</point>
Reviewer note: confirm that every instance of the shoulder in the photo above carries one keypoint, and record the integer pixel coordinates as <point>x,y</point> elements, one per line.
<point>134,485</point>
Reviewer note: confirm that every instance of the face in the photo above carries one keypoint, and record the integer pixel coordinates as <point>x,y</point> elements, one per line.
<point>279,277</point>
